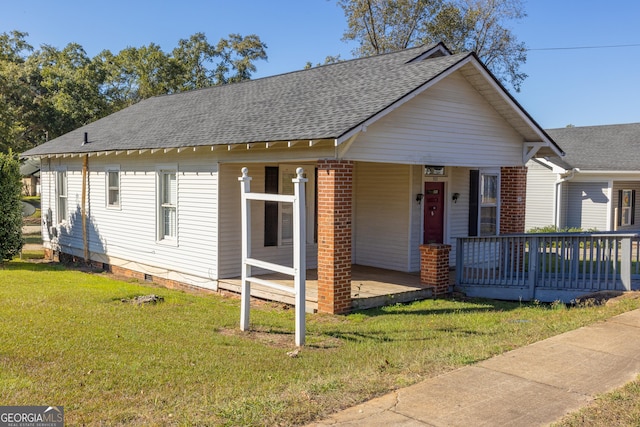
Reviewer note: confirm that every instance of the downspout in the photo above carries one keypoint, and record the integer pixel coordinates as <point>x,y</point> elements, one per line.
<point>49,215</point>
<point>85,167</point>
<point>567,177</point>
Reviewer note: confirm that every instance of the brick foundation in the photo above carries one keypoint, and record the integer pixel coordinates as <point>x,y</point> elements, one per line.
<point>51,255</point>
<point>125,272</point>
<point>513,198</point>
<point>434,267</point>
<point>335,187</point>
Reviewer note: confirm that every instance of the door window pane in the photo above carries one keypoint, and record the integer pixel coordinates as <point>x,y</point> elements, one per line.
<point>488,216</point>
<point>489,193</point>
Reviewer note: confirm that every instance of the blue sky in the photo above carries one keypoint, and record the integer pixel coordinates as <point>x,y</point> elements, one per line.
<point>581,87</point>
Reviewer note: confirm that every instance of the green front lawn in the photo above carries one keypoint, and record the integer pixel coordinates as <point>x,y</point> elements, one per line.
<point>620,407</point>
<point>66,338</point>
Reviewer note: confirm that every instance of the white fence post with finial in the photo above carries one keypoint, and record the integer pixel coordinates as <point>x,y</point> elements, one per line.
<point>299,252</point>
<point>245,188</point>
<point>299,269</point>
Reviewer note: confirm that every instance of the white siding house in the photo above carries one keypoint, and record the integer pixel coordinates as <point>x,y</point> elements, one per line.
<point>589,202</point>
<point>154,189</point>
<point>540,204</point>
<point>594,186</point>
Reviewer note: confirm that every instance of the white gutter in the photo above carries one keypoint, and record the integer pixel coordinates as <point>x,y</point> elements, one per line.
<point>609,172</point>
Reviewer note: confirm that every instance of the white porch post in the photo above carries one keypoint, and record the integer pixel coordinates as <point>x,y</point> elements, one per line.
<point>299,253</point>
<point>245,188</point>
<point>298,271</point>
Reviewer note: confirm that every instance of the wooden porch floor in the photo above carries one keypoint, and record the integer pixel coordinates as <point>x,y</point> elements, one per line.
<point>370,287</point>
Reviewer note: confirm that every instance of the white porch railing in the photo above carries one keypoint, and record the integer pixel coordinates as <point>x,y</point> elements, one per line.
<point>546,267</point>
<point>298,271</point>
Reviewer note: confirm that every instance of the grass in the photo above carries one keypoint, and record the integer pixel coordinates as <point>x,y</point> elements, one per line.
<point>618,408</point>
<point>66,338</point>
<point>33,239</point>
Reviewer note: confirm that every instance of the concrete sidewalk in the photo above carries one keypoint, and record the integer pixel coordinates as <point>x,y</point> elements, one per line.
<point>530,386</point>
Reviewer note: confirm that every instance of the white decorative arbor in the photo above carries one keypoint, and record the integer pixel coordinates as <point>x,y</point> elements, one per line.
<point>298,271</point>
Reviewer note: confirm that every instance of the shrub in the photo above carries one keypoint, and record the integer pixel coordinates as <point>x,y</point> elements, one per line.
<point>11,240</point>
<point>554,229</point>
<point>545,229</point>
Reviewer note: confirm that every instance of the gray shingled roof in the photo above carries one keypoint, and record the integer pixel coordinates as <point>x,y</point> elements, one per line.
<point>319,103</point>
<point>315,104</point>
<point>599,148</point>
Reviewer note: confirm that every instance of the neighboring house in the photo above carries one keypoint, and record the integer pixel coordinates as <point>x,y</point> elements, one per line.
<point>400,149</point>
<point>30,172</point>
<point>593,186</point>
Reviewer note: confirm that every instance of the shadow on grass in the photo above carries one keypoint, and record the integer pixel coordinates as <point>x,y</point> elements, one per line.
<point>32,264</point>
<point>32,239</point>
<point>410,335</point>
<point>475,305</point>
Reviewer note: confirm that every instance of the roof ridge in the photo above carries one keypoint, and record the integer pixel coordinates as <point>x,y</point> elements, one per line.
<point>424,47</point>
<point>595,126</point>
<point>318,104</point>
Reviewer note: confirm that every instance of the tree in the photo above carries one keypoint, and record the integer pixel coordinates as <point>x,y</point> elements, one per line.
<point>135,74</point>
<point>19,116</point>
<point>69,86</point>
<point>463,25</point>
<point>238,55</point>
<point>381,26</point>
<point>195,57</point>
<point>44,93</point>
<point>11,240</point>
<point>48,92</point>
<point>478,26</point>
<point>329,59</point>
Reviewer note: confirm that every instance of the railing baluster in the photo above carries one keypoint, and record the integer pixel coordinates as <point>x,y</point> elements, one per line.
<point>607,260</point>
<point>600,260</point>
<point>590,263</point>
<point>564,263</point>
<point>636,259</point>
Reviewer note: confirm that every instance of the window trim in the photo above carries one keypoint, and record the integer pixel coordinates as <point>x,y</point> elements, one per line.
<point>62,174</point>
<point>161,171</point>
<point>481,204</point>
<point>475,201</point>
<point>631,207</point>
<point>107,171</point>
<point>286,172</point>
<point>271,209</point>
<point>274,175</point>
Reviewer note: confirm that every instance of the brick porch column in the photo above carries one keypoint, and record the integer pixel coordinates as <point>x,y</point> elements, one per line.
<point>513,197</point>
<point>335,182</point>
<point>434,267</point>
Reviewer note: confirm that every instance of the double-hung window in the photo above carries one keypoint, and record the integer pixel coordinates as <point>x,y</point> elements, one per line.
<point>488,204</point>
<point>287,174</point>
<point>626,207</point>
<point>484,199</point>
<point>278,217</point>
<point>113,187</point>
<point>168,205</point>
<point>62,195</point>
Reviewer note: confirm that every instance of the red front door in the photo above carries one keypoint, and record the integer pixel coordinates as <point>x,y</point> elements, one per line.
<point>433,212</point>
